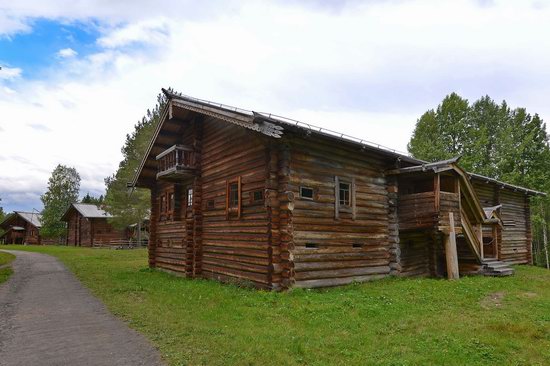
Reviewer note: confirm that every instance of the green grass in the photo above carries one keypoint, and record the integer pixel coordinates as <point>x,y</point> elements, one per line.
<point>473,321</point>
<point>5,273</point>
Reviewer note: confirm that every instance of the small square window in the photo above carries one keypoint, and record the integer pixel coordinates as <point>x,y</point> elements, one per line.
<point>210,204</point>
<point>258,196</point>
<point>306,193</point>
<point>344,194</point>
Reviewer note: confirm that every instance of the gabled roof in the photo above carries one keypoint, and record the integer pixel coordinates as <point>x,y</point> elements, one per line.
<point>275,126</point>
<point>32,218</point>
<point>87,210</point>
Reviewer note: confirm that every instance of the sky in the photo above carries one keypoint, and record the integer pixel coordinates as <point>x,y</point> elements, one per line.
<point>77,75</point>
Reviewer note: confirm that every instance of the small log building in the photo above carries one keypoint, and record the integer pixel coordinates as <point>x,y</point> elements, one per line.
<point>250,197</point>
<point>21,228</point>
<point>87,226</point>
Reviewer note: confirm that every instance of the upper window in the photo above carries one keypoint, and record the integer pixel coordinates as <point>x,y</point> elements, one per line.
<point>189,197</point>
<point>172,202</point>
<point>344,194</point>
<point>163,203</point>
<point>233,195</point>
<point>344,200</point>
<point>233,198</point>
<point>306,192</point>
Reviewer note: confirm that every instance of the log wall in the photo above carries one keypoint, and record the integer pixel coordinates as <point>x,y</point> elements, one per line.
<point>235,248</point>
<point>416,247</point>
<point>515,237</point>
<point>328,248</point>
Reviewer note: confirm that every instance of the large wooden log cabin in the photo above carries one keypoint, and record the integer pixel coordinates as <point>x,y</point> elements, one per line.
<point>87,225</point>
<point>253,198</point>
<point>21,228</point>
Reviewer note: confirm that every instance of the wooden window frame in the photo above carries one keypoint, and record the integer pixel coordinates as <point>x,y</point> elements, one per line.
<point>253,199</point>
<point>189,197</point>
<point>312,193</point>
<point>230,211</point>
<point>338,209</point>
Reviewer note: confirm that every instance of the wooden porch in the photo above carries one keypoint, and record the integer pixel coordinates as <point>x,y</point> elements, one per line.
<point>439,201</point>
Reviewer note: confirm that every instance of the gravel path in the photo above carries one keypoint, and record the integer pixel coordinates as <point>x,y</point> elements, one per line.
<point>47,317</point>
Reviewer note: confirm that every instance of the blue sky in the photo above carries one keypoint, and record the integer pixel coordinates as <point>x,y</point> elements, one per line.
<point>78,75</point>
<point>36,52</point>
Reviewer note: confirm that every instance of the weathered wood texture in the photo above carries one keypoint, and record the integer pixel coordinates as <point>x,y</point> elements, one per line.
<point>331,249</point>
<point>234,248</point>
<point>417,211</point>
<point>416,249</point>
<point>515,237</point>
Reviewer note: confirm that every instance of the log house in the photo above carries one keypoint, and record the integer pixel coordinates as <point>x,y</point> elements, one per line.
<point>22,228</point>
<point>87,226</point>
<point>247,197</point>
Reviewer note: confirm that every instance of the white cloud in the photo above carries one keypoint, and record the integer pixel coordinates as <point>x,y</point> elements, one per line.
<point>368,70</point>
<point>67,53</point>
<point>154,31</point>
<point>10,73</point>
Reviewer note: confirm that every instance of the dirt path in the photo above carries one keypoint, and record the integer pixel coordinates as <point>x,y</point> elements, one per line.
<point>48,318</point>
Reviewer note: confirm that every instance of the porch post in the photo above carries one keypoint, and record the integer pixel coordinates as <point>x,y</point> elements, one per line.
<point>450,250</point>
<point>480,238</point>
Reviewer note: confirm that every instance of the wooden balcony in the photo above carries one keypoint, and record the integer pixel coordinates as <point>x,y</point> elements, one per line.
<point>176,163</point>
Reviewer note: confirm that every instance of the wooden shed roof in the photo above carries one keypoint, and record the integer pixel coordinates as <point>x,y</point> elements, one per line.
<point>87,210</point>
<point>32,218</point>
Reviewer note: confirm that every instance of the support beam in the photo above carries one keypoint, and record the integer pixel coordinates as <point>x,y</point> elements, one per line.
<point>480,238</point>
<point>450,250</point>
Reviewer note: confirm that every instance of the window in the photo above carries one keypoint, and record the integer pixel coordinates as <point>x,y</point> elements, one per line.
<point>233,195</point>
<point>257,196</point>
<point>344,194</point>
<point>233,198</point>
<point>210,204</point>
<point>357,245</point>
<point>189,197</point>
<point>344,198</point>
<point>163,203</point>
<point>172,202</point>
<point>306,193</point>
<point>312,246</point>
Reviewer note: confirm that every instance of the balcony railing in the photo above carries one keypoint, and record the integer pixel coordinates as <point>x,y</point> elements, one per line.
<point>176,162</point>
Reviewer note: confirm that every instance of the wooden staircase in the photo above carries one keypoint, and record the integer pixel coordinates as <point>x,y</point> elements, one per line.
<point>496,268</point>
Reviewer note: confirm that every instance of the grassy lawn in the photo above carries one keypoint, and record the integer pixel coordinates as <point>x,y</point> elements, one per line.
<point>473,321</point>
<point>5,272</point>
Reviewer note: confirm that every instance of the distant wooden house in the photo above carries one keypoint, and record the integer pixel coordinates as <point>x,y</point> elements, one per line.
<point>87,225</point>
<point>21,228</point>
<point>252,197</point>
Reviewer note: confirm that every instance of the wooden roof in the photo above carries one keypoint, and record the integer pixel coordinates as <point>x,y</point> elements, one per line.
<point>181,108</point>
<point>87,210</point>
<point>30,217</point>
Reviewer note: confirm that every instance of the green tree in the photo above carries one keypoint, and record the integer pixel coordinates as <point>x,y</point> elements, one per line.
<point>492,139</point>
<point>442,133</point>
<point>91,199</point>
<point>129,208</point>
<point>63,188</point>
